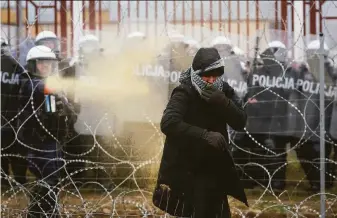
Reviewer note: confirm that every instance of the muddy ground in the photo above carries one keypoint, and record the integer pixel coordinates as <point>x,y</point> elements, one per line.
<point>132,204</point>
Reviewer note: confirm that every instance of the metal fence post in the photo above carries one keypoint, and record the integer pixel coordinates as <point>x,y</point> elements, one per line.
<point>322,123</point>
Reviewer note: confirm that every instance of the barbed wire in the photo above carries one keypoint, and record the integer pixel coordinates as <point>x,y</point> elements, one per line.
<point>125,163</point>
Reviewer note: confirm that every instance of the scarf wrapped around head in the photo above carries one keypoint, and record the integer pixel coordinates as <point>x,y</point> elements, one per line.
<point>204,61</point>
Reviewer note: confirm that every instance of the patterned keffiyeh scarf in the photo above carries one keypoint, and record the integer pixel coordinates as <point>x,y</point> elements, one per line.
<point>197,81</point>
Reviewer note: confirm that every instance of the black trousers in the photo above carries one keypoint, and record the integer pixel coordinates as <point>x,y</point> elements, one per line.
<point>273,164</point>
<point>308,155</point>
<point>19,165</point>
<point>79,146</point>
<point>47,169</point>
<point>74,150</point>
<point>208,200</point>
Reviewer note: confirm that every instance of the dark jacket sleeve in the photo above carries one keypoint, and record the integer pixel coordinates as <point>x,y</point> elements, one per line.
<point>172,123</point>
<point>232,113</point>
<point>35,89</point>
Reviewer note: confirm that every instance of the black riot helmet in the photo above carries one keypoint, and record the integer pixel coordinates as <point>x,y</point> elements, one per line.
<point>276,50</point>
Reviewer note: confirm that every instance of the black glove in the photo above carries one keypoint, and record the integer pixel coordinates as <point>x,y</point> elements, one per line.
<point>214,96</point>
<point>60,106</point>
<point>215,139</point>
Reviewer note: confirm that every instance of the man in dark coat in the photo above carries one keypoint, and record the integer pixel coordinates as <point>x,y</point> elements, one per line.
<point>197,171</point>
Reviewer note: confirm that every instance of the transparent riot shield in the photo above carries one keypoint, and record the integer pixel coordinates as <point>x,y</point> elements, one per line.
<point>305,96</point>
<point>333,124</point>
<point>236,74</point>
<point>269,85</point>
<point>180,55</point>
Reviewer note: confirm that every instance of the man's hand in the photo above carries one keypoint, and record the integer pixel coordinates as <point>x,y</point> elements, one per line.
<point>215,139</point>
<point>214,96</point>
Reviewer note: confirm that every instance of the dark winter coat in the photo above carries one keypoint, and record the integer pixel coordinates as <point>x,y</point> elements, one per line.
<point>10,86</point>
<point>186,154</point>
<point>40,126</point>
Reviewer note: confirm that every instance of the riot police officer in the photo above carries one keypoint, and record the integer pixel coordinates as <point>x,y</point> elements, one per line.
<point>267,128</point>
<point>65,65</point>
<point>169,58</point>
<point>89,115</point>
<point>67,70</point>
<point>308,148</point>
<point>89,48</point>
<point>10,74</point>
<point>223,45</point>
<point>49,39</point>
<point>181,53</point>
<point>244,62</point>
<point>236,73</point>
<point>43,127</point>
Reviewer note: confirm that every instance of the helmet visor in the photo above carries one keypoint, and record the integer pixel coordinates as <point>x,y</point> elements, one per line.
<point>89,47</point>
<point>52,43</point>
<point>45,68</point>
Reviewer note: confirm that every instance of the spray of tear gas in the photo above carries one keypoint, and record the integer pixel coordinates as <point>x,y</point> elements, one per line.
<point>137,102</point>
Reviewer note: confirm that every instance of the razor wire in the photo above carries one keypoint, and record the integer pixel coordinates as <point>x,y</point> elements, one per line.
<point>116,193</point>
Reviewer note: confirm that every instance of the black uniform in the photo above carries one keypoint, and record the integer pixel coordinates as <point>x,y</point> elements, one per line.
<point>193,175</point>
<point>267,110</point>
<point>307,130</point>
<point>236,76</point>
<point>44,127</point>
<point>10,85</point>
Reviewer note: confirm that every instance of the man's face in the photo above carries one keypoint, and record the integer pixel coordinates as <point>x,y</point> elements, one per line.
<point>209,79</point>
<point>45,67</point>
<point>212,76</point>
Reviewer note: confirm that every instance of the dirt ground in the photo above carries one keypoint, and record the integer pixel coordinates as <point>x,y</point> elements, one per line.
<point>127,203</point>
<point>133,205</point>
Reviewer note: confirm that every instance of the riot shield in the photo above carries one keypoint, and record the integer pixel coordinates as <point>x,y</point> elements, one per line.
<point>333,124</point>
<point>313,61</point>
<point>180,56</point>
<point>305,97</point>
<point>269,87</point>
<point>331,66</point>
<point>235,74</point>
